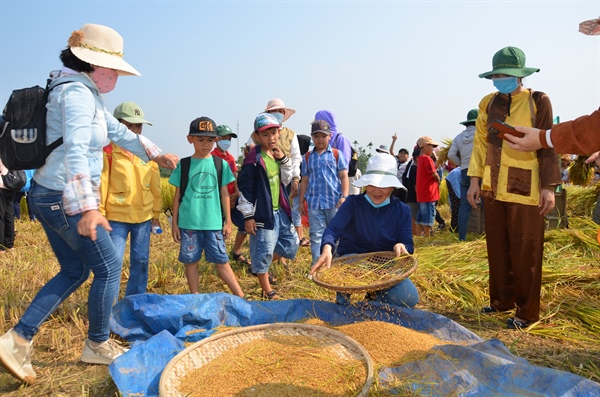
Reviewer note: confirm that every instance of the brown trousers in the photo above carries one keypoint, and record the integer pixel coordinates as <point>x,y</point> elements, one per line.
<point>515,245</point>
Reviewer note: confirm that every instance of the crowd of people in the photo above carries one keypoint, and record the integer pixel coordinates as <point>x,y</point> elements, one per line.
<point>108,193</point>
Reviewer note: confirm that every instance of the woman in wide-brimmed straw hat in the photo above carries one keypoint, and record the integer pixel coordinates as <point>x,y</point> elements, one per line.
<point>64,196</point>
<point>373,221</point>
<point>517,189</point>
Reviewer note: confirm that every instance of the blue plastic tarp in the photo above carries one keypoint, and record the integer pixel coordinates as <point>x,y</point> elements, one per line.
<point>158,326</point>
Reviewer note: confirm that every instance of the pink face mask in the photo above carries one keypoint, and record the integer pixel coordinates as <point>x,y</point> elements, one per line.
<point>105,79</point>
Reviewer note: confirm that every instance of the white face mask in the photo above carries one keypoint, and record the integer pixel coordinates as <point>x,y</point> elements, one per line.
<point>224,144</point>
<point>104,78</point>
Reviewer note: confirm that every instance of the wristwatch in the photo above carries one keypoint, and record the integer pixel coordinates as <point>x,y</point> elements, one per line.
<point>344,197</point>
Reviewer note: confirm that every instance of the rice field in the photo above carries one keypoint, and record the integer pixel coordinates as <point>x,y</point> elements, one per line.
<point>451,278</point>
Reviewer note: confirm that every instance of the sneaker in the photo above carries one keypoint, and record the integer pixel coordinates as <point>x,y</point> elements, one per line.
<point>16,358</point>
<point>104,353</point>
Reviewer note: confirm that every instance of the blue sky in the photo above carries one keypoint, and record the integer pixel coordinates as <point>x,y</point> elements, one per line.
<point>405,67</point>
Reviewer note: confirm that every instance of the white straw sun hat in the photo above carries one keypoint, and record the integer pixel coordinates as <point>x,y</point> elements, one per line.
<point>277,104</point>
<point>100,46</point>
<point>381,172</point>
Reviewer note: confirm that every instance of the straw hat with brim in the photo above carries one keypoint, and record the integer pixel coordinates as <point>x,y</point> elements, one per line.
<point>511,62</point>
<point>590,28</point>
<point>100,46</point>
<point>381,172</point>
<point>471,117</point>
<point>277,104</point>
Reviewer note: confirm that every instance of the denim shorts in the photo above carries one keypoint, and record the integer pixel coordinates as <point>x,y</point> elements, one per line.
<point>193,242</point>
<point>282,240</point>
<point>426,214</point>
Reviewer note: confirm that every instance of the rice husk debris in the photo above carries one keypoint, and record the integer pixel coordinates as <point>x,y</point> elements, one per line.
<point>401,345</point>
<point>285,366</point>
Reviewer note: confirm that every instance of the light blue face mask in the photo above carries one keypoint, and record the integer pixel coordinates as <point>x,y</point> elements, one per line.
<point>384,203</point>
<point>224,144</point>
<point>506,85</point>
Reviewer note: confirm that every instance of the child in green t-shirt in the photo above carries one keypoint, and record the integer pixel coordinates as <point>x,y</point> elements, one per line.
<point>197,221</point>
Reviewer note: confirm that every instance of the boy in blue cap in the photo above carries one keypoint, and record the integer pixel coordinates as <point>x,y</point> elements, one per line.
<point>264,203</point>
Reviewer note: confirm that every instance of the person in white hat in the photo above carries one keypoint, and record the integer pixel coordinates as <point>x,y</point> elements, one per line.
<point>64,196</point>
<point>373,221</point>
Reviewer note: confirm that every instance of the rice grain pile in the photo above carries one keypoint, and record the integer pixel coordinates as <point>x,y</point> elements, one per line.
<point>283,366</point>
<point>401,345</point>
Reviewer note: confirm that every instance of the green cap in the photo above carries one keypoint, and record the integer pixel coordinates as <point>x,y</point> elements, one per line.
<point>471,117</point>
<point>223,130</point>
<point>511,62</point>
<point>130,112</point>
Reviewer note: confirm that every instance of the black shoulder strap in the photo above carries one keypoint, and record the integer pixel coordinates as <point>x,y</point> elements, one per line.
<point>48,149</point>
<point>219,166</point>
<point>184,176</point>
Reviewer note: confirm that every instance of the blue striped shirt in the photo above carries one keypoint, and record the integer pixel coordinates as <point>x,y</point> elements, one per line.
<point>324,187</point>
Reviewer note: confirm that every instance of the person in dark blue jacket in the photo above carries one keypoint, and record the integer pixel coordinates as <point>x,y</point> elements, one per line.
<point>370,222</point>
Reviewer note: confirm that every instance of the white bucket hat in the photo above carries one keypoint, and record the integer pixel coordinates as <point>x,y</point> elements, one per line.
<point>381,172</point>
<point>276,104</point>
<point>101,46</point>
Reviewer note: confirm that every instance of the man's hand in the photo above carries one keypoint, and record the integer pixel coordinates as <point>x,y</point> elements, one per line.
<point>529,143</point>
<point>547,201</point>
<point>89,221</point>
<point>474,192</point>
<point>250,226</point>
<point>293,190</point>
<point>277,153</point>
<point>168,161</point>
<point>594,157</point>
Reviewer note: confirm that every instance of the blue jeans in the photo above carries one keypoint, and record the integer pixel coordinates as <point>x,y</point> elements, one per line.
<point>139,252</point>
<point>318,219</point>
<point>403,294</point>
<point>77,256</point>
<point>282,240</point>
<point>464,211</point>
<point>296,217</point>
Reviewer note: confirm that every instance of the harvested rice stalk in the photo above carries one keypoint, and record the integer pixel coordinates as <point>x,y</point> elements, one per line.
<point>579,172</point>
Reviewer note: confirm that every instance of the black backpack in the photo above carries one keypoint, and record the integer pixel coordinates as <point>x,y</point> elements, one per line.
<point>353,166</point>
<point>23,129</point>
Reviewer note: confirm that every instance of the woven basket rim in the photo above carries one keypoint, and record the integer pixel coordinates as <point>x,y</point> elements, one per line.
<point>372,287</point>
<point>337,336</point>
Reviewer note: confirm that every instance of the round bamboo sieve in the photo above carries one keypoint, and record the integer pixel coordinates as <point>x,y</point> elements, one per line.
<point>368,272</point>
<point>202,352</point>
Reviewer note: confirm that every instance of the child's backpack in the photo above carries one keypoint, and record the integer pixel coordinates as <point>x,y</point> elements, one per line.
<point>23,129</point>
<point>353,166</point>
<point>185,170</point>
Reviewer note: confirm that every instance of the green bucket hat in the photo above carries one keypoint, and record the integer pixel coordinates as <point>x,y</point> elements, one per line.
<point>509,61</point>
<point>471,117</point>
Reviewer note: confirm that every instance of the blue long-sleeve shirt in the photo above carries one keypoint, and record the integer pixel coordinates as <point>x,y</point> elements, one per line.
<point>361,228</point>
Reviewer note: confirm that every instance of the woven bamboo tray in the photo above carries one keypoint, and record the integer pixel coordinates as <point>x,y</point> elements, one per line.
<point>204,351</point>
<point>368,272</point>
